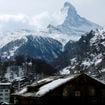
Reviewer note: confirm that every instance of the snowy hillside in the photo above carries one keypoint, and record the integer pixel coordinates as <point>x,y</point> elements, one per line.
<point>87,54</point>
<point>29,44</point>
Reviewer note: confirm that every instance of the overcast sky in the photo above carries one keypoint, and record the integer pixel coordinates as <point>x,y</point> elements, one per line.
<point>23,9</point>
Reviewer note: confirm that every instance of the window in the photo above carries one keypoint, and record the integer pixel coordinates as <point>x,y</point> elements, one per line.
<point>1,90</point>
<point>1,98</point>
<point>77,93</point>
<point>66,91</point>
<point>6,90</point>
<point>92,91</point>
<point>1,94</point>
<point>6,94</point>
<point>6,98</point>
<point>103,92</point>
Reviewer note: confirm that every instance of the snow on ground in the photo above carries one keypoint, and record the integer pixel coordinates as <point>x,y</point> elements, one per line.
<point>103,43</point>
<point>103,70</point>
<point>65,71</point>
<point>13,75</point>
<point>13,51</point>
<point>98,61</point>
<point>100,34</point>
<point>86,63</point>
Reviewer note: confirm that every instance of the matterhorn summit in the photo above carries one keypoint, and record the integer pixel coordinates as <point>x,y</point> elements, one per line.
<point>73,23</point>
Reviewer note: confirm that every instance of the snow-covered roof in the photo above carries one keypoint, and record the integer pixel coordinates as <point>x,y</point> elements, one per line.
<point>103,70</point>
<point>52,85</point>
<point>48,79</point>
<point>29,94</point>
<point>44,89</point>
<point>5,83</point>
<point>19,78</point>
<point>23,91</point>
<point>101,81</point>
<point>48,87</point>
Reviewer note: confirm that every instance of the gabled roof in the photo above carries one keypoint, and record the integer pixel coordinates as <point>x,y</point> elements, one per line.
<point>52,85</point>
<point>44,89</point>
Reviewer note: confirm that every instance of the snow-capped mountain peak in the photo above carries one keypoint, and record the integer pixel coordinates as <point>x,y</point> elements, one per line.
<point>73,23</point>
<point>68,5</point>
<point>69,8</point>
<point>71,29</point>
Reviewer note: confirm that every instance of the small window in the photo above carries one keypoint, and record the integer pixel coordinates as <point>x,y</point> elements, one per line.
<point>92,91</point>
<point>66,91</point>
<point>6,98</point>
<point>1,94</point>
<point>6,90</point>
<point>6,94</point>
<point>77,93</point>
<point>103,92</point>
<point>1,98</point>
<point>1,90</point>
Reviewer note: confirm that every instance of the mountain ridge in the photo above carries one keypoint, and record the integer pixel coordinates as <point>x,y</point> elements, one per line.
<point>74,24</point>
<point>87,55</point>
<point>55,37</point>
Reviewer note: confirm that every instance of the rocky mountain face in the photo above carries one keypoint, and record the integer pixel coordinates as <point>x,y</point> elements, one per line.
<point>34,46</point>
<point>73,24</point>
<point>87,54</point>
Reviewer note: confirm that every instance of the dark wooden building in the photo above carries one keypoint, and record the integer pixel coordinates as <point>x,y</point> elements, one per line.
<point>77,89</point>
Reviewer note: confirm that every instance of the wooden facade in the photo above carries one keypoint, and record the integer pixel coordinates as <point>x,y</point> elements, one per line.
<point>81,89</point>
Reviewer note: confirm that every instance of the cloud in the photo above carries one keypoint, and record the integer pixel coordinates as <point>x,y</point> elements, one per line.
<point>22,21</point>
<point>14,22</point>
<point>42,20</point>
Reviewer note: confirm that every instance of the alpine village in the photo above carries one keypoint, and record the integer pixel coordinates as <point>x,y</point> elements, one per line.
<point>64,64</point>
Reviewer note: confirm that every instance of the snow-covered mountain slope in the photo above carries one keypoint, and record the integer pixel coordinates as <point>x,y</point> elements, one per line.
<point>87,54</point>
<point>47,44</point>
<point>61,37</point>
<point>73,24</point>
<point>29,44</point>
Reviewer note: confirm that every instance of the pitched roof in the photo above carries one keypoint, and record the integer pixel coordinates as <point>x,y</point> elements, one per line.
<point>44,89</point>
<point>52,85</point>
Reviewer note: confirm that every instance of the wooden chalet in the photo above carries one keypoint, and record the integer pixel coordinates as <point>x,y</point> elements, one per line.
<point>75,89</point>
